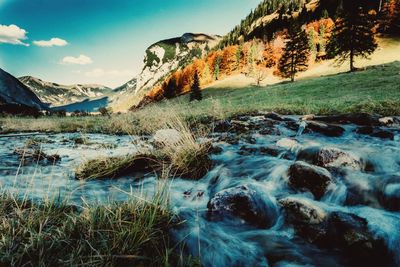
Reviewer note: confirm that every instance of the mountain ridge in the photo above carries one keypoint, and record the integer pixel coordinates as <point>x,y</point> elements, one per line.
<point>57,94</point>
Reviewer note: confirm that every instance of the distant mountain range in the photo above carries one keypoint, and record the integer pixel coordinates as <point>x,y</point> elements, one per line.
<point>58,95</point>
<point>13,93</point>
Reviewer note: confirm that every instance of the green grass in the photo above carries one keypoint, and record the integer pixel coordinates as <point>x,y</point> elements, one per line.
<point>374,90</point>
<point>133,233</point>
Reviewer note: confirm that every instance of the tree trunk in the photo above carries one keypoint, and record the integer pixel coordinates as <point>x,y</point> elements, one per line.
<point>292,70</point>
<point>352,60</point>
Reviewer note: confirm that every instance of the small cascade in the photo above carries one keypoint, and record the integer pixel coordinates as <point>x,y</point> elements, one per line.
<point>302,127</point>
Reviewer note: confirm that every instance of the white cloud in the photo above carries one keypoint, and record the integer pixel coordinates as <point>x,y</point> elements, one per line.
<point>51,42</point>
<point>81,60</point>
<point>99,72</point>
<point>12,34</point>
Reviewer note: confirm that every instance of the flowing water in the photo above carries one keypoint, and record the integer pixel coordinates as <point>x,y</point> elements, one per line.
<point>230,240</point>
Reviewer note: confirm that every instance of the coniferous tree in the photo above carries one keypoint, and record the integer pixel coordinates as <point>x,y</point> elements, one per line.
<point>217,67</point>
<point>195,92</point>
<point>296,54</point>
<point>170,88</point>
<point>353,35</point>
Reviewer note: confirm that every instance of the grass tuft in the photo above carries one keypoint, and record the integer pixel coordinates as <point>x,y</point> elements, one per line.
<point>114,167</point>
<point>133,233</point>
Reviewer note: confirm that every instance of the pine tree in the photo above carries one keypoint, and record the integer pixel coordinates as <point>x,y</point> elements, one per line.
<point>170,88</point>
<point>296,54</point>
<point>195,92</point>
<point>352,35</point>
<point>217,67</point>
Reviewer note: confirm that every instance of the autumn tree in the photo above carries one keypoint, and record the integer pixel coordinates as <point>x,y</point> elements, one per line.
<point>195,92</point>
<point>296,53</point>
<point>389,18</point>
<point>353,35</point>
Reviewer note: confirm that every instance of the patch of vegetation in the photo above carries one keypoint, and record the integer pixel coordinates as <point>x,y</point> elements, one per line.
<point>36,141</point>
<point>114,167</point>
<point>133,233</point>
<point>182,155</point>
<point>150,58</point>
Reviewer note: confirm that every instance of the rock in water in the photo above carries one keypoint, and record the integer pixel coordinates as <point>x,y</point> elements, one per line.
<point>247,203</point>
<point>167,137</point>
<point>326,129</point>
<point>274,116</point>
<point>301,210</point>
<point>329,157</point>
<point>355,118</point>
<point>303,176</point>
<point>287,143</point>
<point>346,232</point>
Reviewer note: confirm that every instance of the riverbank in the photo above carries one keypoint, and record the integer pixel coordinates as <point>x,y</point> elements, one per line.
<point>374,90</point>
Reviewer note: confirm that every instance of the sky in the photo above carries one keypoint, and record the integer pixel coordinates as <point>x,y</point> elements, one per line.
<point>101,41</point>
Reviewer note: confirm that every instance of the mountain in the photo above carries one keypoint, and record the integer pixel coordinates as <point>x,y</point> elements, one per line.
<point>15,93</point>
<point>167,55</point>
<point>57,94</point>
<point>160,59</point>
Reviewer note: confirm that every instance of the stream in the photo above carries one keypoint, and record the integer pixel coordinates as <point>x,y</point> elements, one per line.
<point>253,208</point>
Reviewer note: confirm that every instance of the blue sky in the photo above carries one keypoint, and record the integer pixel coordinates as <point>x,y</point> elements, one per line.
<point>101,41</point>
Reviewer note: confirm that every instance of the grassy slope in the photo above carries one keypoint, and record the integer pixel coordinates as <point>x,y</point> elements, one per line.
<point>376,89</point>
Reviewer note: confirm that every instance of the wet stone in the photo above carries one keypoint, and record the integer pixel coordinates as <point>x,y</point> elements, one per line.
<point>329,157</point>
<point>375,132</point>
<point>326,129</point>
<point>305,177</point>
<point>245,202</point>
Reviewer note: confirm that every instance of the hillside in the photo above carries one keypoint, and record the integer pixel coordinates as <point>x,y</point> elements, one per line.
<point>161,58</point>
<point>270,17</point>
<point>254,49</point>
<point>374,90</point>
<point>57,94</point>
<point>13,92</point>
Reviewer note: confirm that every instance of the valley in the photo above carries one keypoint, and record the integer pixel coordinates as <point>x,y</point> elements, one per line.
<point>275,144</point>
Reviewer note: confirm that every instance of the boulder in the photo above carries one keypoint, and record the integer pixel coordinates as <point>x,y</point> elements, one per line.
<point>302,210</point>
<point>375,132</point>
<point>166,137</point>
<point>274,116</point>
<point>306,177</point>
<point>343,231</point>
<point>350,233</point>
<point>245,202</point>
<point>329,157</point>
<point>287,143</point>
<point>325,129</point>
<point>355,118</point>
<point>308,117</point>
